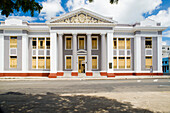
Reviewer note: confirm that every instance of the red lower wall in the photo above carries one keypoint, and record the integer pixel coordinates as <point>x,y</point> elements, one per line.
<point>54,75</point>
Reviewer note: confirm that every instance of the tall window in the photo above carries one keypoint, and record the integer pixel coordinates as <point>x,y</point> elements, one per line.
<point>33,62</point>
<point>34,43</point>
<point>94,42</point>
<point>121,43</point>
<point>128,62</point>
<point>121,62</point>
<point>13,42</point>
<point>68,62</point>
<point>48,43</point>
<point>94,62</point>
<point>41,62</point>
<point>81,43</point>
<point>148,42</point>
<point>115,62</point>
<point>13,61</point>
<point>128,43</point>
<point>148,61</point>
<point>41,43</point>
<point>47,62</point>
<point>114,43</point>
<point>68,43</point>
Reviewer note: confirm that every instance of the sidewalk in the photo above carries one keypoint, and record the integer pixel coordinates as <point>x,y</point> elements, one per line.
<point>110,78</point>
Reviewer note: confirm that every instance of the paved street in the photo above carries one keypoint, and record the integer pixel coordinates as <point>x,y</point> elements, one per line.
<point>84,86</point>
<point>81,96</point>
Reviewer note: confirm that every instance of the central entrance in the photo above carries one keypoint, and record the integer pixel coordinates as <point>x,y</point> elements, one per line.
<point>81,64</point>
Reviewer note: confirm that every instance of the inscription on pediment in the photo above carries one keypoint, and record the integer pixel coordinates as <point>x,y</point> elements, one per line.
<point>81,18</point>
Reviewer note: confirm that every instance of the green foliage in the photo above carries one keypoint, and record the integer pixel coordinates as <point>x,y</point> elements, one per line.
<point>8,6</point>
<point>111,1</point>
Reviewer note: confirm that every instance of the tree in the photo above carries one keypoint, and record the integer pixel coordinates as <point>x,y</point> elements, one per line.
<point>111,1</point>
<point>8,6</point>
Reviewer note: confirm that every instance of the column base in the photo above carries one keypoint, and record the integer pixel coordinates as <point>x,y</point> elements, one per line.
<point>110,75</point>
<point>103,73</point>
<point>52,75</point>
<point>74,73</point>
<point>60,73</point>
<point>89,73</point>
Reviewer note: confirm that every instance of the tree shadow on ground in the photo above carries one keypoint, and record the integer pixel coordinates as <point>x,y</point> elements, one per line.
<point>51,103</point>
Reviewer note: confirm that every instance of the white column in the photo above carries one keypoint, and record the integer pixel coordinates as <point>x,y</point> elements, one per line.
<point>60,52</point>
<point>25,53</point>
<point>53,52</point>
<point>159,42</point>
<point>137,55</point>
<point>89,57</point>
<point>1,53</point>
<point>103,52</point>
<point>75,53</point>
<point>110,52</point>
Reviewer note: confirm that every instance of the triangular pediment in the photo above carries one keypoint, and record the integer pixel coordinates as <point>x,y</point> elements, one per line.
<point>81,16</point>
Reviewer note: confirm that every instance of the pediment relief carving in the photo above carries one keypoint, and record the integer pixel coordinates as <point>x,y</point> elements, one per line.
<point>81,18</point>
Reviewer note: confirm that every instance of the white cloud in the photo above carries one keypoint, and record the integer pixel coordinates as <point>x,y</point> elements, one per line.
<point>166,34</point>
<point>163,16</point>
<point>24,18</point>
<point>51,8</point>
<point>163,42</point>
<point>126,11</point>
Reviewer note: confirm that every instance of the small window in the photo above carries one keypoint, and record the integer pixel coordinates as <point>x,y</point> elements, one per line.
<point>41,43</point>
<point>114,43</point>
<point>68,62</point>
<point>81,43</point>
<point>115,62</point>
<point>148,62</point>
<point>128,62</point>
<point>121,43</point>
<point>47,62</point>
<point>34,43</point>
<point>148,42</point>
<point>94,42</point>
<point>13,61</point>
<point>128,43</point>
<point>94,62</point>
<point>33,62</point>
<point>165,62</point>
<point>41,63</point>
<point>68,43</point>
<point>48,43</point>
<point>121,62</point>
<point>13,42</point>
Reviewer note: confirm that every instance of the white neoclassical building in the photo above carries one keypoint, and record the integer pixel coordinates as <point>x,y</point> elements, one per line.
<point>80,44</point>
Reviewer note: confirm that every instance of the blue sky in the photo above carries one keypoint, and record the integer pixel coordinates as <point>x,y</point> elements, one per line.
<point>126,11</point>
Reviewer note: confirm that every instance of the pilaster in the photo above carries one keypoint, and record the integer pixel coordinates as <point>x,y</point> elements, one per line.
<point>1,53</point>
<point>110,54</point>
<point>159,49</point>
<point>25,53</point>
<point>53,54</point>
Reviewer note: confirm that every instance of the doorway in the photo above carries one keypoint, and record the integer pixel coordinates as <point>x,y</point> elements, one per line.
<point>81,64</point>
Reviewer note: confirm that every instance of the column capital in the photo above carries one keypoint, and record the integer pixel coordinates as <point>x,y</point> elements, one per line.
<point>74,34</point>
<point>60,34</point>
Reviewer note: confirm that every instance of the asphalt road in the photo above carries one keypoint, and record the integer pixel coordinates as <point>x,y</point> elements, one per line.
<point>84,86</point>
<point>43,96</point>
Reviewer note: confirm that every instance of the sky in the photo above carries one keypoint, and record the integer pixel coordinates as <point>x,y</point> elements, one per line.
<point>126,11</point>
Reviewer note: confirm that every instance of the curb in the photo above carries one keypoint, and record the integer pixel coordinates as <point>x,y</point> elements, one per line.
<point>115,78</point>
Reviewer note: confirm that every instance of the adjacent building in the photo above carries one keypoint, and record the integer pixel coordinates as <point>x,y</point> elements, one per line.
<point>165,65</point>
<point>80,43</point>
<point>165,51</point>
